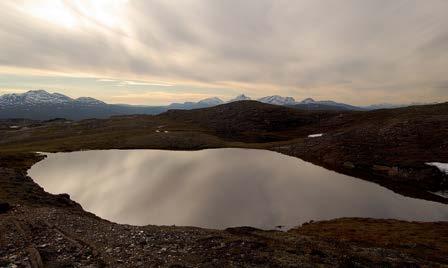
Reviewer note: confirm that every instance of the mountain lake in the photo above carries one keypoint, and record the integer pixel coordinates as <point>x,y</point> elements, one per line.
<point>219,188</point>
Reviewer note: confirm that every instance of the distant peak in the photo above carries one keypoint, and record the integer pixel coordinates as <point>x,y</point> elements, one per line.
<point>212,98</point>
<point>89,100</point>
<point>37,91</point>
<point>278,100</point>
<point>308,100</point>
<point>241,97</point>
<point>212,101</point>
<point>34,97</point>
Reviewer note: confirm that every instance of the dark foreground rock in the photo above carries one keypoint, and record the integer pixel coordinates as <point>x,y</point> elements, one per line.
<point>4,207</point>
<point>62,237</point>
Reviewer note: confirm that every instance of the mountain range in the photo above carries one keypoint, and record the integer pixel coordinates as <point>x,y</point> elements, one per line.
<point>42,105</point>
<point>39,97</point>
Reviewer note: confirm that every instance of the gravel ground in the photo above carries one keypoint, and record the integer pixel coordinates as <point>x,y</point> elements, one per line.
<point>48,236</point>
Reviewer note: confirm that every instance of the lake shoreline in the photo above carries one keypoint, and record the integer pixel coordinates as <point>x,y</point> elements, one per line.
<point>39,224</point>
<point>199,188</point>
<point>388,147</point>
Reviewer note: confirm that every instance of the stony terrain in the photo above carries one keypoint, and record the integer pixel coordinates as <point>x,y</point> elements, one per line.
<point>389,147</point>
<point>66,237</point>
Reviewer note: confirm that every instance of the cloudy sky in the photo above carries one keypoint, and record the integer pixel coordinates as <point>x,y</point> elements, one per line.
<point>161,51</point>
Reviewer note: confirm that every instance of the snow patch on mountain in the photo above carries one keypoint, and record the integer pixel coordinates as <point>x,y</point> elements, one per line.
<point>89,101</point>
<point>42,97</point>
<point>211,101</point>
<point>442,193</point>
<point>278,100</point>
<point>33,97</point>
<point>329,103</point>
<point>441,166</point>
<point>241,97</point>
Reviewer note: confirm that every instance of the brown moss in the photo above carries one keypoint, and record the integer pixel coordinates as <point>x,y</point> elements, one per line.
<point>426,240</point>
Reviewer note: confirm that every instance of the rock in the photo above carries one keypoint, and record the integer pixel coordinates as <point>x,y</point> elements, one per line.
<point>4,207</point>
<point>35,258</point>
<point>65,196</point>
<point>245,230</point>
<point>349,165</point>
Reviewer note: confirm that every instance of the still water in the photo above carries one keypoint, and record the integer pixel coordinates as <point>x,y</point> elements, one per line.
<point>218,188</point>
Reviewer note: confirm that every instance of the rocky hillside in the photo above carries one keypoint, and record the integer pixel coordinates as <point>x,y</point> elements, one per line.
<point>248,121</point>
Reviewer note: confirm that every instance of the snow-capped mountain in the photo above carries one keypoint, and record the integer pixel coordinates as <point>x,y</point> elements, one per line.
<point>278,100</point>
<point>42,105</point>
<point>241,97</point>
<point>211,101</point>
<point>311,104</point>
<point>42,97</point>
<point>89,101</point>
<point>306,104</point>
<point>33,97</point>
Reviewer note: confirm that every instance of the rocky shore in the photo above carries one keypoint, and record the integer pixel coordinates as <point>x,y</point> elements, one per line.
<point>64,237</point>
<point>44,230</point>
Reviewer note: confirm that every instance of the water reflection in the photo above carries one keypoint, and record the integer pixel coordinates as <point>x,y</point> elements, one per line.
<point>218,188</point>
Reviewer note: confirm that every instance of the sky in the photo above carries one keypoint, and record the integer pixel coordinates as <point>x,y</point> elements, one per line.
<point>162,51</point>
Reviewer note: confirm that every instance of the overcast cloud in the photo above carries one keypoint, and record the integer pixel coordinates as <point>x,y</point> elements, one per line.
<point>358,51</point>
